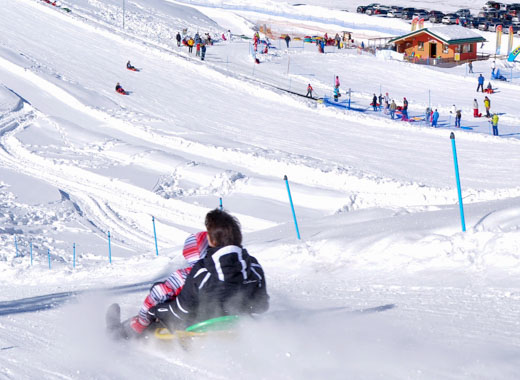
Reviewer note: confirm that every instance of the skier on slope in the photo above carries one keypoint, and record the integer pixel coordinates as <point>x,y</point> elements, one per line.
<point>130,67</point>
<point>309,91</point>
<point>435,119</point>
<point>374,102</point>
<point>405,110</point>
<point>235,286</point>
<point>475,109</point>
<point>178,38</point>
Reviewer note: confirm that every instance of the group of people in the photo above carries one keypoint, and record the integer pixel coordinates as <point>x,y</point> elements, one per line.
<point>197,41</point>
<point>221,278</point>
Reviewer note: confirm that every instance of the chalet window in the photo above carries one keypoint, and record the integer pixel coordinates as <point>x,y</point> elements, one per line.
<point>457,48</point>
<point>420,45</point>
<point>445,49</point>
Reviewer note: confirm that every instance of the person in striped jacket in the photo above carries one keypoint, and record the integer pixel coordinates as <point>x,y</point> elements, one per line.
<point>195,248</point>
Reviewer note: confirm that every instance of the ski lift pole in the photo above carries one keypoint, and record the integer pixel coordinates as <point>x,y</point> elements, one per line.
<point>123,14</point>
<point>30,246</point>
<point>109,249</point>
<point>461,207</point>
<point>292,207</point>
<point>73,255</point>
<point>49,257</point>
<point>155,236</point>
<point>16,245</point>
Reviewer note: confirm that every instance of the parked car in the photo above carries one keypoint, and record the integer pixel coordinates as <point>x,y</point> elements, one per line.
<point>450,19</point>
<point>475,21</point>
<point>463,12</point>
<point>408,13</point>
<point>363,8</point>
<point>381,11</point>
<point>396,12</point>
<point>488,13</point>
<point>436,16</point>
<point>492,25</point>
<point>421,14</point>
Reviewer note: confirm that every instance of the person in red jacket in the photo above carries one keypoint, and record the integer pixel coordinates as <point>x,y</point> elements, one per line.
<point>309,91</point>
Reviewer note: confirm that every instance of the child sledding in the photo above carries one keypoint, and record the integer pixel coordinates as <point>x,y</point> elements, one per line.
<point>130,67</point>
<point>120,89</point>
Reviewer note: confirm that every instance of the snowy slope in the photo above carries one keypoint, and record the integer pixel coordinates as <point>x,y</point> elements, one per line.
<point>376,199</point>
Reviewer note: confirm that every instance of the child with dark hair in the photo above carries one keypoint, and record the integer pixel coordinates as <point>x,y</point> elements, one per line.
<point>227,281</point>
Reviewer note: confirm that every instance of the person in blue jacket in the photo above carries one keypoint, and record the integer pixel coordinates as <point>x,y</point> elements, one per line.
<point>480,83</point>
<point>435,118</point>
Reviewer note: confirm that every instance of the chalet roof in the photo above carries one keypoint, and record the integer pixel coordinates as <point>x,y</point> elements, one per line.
<point>450,34</point>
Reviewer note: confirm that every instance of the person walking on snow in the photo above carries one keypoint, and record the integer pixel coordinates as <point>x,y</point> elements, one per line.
<point>336,82</point>
<point>309,91</point>
<point>336,94</point>
<point>203,52</point>
<point>453,111</point>
<point>487,105</point>
<point>480,83</point>
<point>178,38</point>
<point>405,110</point>
<point>493,68</point>
<point>287,39</point>
<point>458,116</point>
<point>435,119</point>
<point>475,109</point>
<point>494,122</point>
<point>386,103</point>
<point>374,102</point>
<point>470,67</point>
<point>393,107</point>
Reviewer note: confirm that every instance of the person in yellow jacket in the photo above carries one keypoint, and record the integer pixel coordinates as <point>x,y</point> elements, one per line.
<point>487,104</point>
<point>191,42</point>
<point>494,122</point>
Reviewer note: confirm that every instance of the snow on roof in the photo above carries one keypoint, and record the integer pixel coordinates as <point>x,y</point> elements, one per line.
<point>454,32</point>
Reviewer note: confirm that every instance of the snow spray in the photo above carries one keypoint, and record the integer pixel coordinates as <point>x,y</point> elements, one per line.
<point>452,137</point>
<point>155,236</point>
<point>109,249</point>
<point>292,207</point>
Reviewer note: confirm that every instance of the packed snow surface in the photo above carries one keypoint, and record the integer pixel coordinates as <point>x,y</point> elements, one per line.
<point>88,175</point>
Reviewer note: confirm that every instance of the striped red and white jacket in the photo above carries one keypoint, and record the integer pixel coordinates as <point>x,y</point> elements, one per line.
<point>195,248</point>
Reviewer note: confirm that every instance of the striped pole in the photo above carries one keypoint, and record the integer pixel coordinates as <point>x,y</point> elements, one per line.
<point>73,255</point>
<point>49,257</point>
<point>155,236</point>
<point>452,137</point>
<point>292,207</point>
<point>109,249</point>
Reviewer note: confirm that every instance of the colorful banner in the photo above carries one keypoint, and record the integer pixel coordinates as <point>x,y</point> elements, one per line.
<point>499,39</point>
<point>421,23</point>
<point>414,23</point>
<point>510,44</point>
<point>513,54</point>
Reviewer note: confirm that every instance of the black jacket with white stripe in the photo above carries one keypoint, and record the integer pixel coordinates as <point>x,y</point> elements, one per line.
<point>228,281</point>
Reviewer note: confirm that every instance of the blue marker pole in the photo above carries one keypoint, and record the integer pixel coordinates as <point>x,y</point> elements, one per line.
<point>349,92</point>
<point>220,204</point>
<point>452,137</point>
<point>155,237</point>
<point>292,207</point>
<point>49,257</point>
<point>109,249</point>
<point>16,245</point>
<point>74,255</point>
<point>30,246</point>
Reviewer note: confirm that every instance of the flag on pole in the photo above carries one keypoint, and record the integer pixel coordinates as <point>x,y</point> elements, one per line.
<point>499,38</point>
<point>511,36</point>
